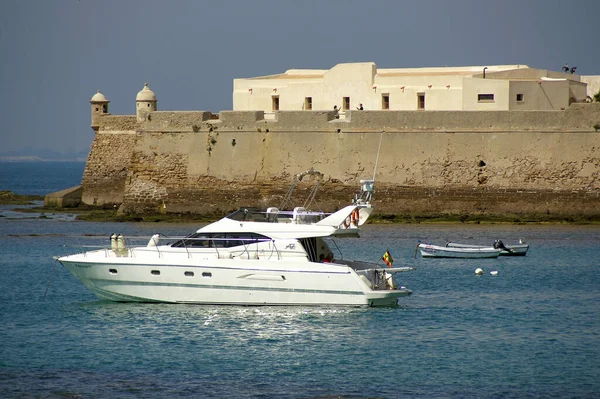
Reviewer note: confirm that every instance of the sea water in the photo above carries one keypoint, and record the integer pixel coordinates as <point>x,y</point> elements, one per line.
<point>532,331</point>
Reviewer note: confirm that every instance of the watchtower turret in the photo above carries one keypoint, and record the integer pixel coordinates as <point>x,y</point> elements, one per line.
<point>99,108</point>
<point>145,103</point>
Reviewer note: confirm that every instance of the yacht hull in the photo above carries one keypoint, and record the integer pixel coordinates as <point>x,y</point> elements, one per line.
<point>218,282</point>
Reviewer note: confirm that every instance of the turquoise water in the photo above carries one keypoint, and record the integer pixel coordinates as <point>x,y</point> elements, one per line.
<point>532,331</point>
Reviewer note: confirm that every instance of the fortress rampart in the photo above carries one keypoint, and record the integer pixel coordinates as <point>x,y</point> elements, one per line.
<point>430,162</point>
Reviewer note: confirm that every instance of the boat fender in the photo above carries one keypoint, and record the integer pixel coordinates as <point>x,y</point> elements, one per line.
<point>389,277</point>
<point>121,244</point>
<point>478,271</point>
<point>113,242</point>
<point>154,240</point>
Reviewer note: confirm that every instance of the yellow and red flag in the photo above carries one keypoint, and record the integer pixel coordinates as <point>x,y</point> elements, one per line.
<point>387,258</point>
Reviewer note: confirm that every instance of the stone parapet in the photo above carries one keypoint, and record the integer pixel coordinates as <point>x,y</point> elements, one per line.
<point>117,123</point>
<point>174,120</point>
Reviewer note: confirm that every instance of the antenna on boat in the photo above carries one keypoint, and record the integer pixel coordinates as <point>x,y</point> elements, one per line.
<point>368,186</point>
<point>377,159</point>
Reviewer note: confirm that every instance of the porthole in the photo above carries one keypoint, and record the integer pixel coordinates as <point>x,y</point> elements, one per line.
<point>189,274</point>
<point>207,275</point>
<point>155,272</point>
<point>112,271</point>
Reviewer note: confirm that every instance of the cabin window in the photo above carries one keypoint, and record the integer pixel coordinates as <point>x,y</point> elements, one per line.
<point>275,103</point>
<point>189,274</point>
<point>485,98</point>
<point>206,274</point>
<point>421,101</point>
<point>307,103</point>
<point>520,97</point>
<point>155,272</point>
<point>385,101</point>
<point>346,103</point>
<point>112,271</point>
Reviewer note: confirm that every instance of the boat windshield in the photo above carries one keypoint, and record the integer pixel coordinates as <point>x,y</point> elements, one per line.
<point>249,215</point>
<point>274,215</point>
<point>219,240</point>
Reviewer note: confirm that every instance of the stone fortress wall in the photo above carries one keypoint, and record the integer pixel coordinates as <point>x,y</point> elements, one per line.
<point>430,162</point>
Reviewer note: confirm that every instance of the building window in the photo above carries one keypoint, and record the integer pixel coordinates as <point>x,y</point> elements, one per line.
<point>485,98</point>
<point>385,101</point>
<point>346,103</point>
<point>420,100</point>
<point>275,103</point>
<point>307,103</point>
<point>520,98</point>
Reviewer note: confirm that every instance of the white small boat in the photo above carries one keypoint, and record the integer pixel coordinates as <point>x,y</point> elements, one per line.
<point>437,251</point>
<point>506,250</point>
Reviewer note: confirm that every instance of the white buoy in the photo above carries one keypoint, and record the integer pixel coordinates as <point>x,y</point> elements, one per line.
<point>494,273</point>
<point>478,271</point>
<point>154,240</point>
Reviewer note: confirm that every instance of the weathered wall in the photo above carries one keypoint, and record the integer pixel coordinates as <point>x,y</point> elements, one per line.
<point>107,166</point>
<point>429,162</point>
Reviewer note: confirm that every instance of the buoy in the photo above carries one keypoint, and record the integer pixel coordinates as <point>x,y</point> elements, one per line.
<point>154,240</point>
<point>478,271</point>
<point>494,273</point>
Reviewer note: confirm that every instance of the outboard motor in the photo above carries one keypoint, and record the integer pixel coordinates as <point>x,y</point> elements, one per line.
<point>498,244</point>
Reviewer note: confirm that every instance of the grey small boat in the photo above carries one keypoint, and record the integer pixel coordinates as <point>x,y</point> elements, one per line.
<point>437,251</point>
<point>519,249</point>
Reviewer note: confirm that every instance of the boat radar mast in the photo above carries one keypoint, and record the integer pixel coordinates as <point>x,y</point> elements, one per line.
<point>367,187</point>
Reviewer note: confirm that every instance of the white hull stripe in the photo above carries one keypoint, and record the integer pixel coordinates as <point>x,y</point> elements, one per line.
<point>226,287</point>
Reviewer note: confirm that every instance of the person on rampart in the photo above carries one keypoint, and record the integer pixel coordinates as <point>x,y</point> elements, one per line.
<point>336,112</point>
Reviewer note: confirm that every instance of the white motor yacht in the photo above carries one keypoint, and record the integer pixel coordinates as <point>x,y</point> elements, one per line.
<point>251,257</point>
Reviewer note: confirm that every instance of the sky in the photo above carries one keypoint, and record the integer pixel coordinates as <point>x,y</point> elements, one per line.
<point>55,54</point>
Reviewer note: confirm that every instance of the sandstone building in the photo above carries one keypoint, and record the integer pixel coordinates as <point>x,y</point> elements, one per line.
<point>475,88</point>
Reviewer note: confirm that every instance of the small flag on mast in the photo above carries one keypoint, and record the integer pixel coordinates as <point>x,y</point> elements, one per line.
<point>387,258</point>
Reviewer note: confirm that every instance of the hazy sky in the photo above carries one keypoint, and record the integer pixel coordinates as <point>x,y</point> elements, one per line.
<point>55,54</point>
